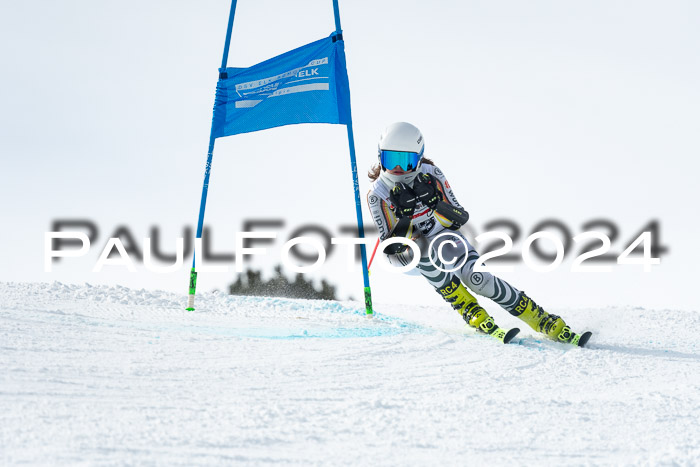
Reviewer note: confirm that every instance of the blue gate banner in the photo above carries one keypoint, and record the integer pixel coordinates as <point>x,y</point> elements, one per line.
<point>305,85</point>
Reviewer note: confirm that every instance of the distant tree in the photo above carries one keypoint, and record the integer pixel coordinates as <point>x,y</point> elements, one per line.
<point>279,286</point>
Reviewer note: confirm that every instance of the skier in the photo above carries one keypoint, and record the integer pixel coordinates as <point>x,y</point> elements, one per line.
<point>410,197</point>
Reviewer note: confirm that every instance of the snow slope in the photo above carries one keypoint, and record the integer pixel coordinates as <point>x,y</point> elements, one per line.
<point>109,375</point>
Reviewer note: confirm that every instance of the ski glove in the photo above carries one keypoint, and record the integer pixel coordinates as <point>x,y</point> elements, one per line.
<point>403,199</point>
<point>425,188</point>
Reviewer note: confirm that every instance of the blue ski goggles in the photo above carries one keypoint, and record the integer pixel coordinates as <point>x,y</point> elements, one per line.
<point>408,161</point>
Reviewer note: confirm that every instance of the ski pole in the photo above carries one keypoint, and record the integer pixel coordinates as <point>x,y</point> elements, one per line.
<point>373,252</point>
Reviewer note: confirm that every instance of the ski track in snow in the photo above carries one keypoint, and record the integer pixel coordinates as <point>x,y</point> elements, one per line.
<point>110,375</point>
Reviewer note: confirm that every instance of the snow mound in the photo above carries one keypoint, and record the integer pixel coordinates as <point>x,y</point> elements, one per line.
<point>216,313</point>
<point>111,375</point>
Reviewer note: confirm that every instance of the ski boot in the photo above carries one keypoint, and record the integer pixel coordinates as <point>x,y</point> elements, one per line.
<point>473,314</point>
<point>551,326</point>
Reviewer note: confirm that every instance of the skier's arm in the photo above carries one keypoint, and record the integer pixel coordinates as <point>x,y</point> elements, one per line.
<point>388,224</point>
<point>429,191</point>
<point>445,188</point>
<point>382,215</point>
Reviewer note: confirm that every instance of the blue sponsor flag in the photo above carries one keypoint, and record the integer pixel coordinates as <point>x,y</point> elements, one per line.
<point>304,85</point>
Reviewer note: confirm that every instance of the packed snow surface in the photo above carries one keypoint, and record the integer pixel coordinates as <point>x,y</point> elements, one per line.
<point>110,375</point>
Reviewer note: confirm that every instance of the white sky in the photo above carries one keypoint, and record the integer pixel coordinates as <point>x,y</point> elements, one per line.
<point>534,110</point>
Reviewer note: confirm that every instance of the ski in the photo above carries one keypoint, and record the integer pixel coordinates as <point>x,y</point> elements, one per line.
<point>503,335</point>
<point>567,336</point>
<point>582,339</point>
<point>578,340</point>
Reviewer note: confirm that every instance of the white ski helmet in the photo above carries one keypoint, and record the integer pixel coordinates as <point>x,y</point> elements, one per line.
<point>401,144</point>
